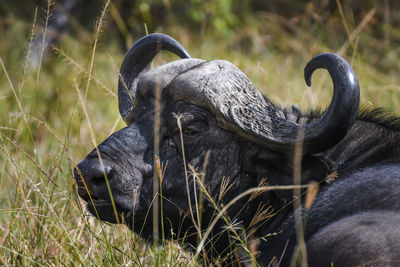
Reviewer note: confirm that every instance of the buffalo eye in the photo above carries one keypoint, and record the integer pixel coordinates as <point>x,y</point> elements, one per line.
<point>189,132</point>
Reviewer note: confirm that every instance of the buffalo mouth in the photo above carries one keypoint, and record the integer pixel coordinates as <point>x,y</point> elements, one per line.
<point>102,209</point>
<point>107,211</point>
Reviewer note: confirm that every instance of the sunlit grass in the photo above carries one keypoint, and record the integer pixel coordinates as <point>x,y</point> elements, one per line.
<point>45,129</point>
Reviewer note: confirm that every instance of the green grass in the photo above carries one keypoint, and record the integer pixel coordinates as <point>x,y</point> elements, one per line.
<point>45,129</point>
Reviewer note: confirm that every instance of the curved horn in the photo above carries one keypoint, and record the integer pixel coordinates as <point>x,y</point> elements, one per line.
<point>138,60</point>
<point>343,109</point>
<point>223,89</point>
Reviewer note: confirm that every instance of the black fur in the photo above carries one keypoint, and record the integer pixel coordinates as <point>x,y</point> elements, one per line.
<point>353,221</point>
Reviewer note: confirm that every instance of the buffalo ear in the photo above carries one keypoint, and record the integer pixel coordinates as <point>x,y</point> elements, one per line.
<point>267,164</point>
<point>316,168</point>
<point>269,168</point>
<point>277,169</point>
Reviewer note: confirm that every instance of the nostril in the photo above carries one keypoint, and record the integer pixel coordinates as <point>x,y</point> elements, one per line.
<point>89,175</point>
<point>100,178</point>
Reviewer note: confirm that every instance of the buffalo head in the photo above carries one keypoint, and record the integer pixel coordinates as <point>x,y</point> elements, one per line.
<point>211,120</point>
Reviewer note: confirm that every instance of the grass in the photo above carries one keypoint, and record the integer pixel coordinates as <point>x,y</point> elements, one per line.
<point>53,114</point>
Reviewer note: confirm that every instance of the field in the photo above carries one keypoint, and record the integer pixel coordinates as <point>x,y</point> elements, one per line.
<point>56,105</point>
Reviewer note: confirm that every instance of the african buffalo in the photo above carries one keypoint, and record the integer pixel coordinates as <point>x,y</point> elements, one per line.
<point>208,118</point>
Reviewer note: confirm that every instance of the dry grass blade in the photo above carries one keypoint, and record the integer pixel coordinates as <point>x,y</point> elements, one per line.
<point>21,109</point>
<point>178,121</point>
<point>161,169</point>
<point>83,70</point>
<point>226,184</point>
<point>222,214</point>
<point>156,149</point>
<point>278,19</point>
<point>30,158</point>
<point>312,192</point>
<point>262,213</point>
<point>42,49</point>
<point>300,252</point>
<point>99,25</point>
<point>58,138</point>
<point>331,177</point>
<point>223,211</point>
<point>262,183</point>
<point>344,21</point>
<point>357,31</point>
<point>29,51</point>
<point>203,175</point>
<point>199,203</point>
<point>93,139</point>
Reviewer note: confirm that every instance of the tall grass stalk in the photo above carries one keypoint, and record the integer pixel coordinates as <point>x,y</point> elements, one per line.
<point>300,254</point>
<point>156,157</point>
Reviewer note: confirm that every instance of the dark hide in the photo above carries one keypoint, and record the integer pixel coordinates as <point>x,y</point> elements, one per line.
<point>127,154</point>
<point>354,220</point>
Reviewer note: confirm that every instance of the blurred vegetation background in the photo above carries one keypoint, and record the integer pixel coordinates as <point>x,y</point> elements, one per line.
<point>57,104</point>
